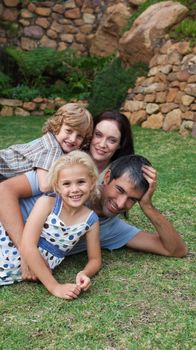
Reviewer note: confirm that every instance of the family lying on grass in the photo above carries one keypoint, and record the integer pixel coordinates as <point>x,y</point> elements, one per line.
<point>84,193</point>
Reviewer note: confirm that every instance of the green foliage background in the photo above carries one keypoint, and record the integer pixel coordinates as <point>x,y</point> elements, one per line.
<point>46,72</point>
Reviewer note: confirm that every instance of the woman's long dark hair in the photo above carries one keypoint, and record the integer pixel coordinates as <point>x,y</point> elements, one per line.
<point>126,141</point>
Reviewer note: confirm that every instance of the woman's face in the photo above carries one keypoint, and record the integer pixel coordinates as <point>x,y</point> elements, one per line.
<point>105,140</point>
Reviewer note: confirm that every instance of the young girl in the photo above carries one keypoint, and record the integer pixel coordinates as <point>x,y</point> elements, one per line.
<point>69,128</point>
<point>55,225</point>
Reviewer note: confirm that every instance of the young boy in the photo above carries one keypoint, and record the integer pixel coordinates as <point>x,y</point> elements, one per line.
<point>69,128</point>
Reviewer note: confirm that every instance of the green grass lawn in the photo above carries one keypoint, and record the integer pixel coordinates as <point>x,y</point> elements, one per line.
<point>137,301</point>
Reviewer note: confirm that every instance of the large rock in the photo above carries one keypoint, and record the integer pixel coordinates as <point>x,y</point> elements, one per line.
<point>136,2</point>
<point>155,121</point>
<point>186,127</point>
<point>148,30</point>
<point>106,39</point>
<point>33,32</point>
<point>11,3</point>
<point>172,120</point>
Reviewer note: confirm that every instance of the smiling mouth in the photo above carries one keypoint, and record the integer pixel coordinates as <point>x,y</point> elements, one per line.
<point>100,152</point>
<point>76,197</point>
<point>113,208</point>
<point>68,144</point>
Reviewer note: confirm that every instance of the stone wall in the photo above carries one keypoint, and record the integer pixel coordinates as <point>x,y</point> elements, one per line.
<point>53,24</point>
<point>87,26</point>
<point>166,98</point>
<point>38,106</point>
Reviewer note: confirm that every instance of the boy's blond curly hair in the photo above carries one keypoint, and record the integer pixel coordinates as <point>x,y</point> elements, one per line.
<point>74,115</point>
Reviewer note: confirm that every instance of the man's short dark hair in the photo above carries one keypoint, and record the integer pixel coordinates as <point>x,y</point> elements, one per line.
<point>132,165</point>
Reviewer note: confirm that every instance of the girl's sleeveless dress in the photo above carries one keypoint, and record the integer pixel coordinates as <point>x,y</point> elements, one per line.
<point>55,242</point>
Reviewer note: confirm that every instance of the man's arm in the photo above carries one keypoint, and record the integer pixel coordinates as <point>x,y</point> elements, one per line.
<point>11,191</point>
<point>167,240</point>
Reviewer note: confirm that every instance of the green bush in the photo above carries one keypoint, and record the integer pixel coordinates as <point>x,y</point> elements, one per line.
<point>32,64</point>
<point>53,73</point>
<point>21,92</point>
<point>186,28</point>
<point>4,80</point>
<point>111,84</point>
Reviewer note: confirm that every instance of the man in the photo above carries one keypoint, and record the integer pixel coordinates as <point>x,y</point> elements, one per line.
<point>128,180</point>
<point>131,179</point>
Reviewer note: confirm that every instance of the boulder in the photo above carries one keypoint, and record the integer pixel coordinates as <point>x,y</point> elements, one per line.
<point>33,32</point>
<point>172,120</point>
<point>11,3</point>
<point>155,121</point>
<point>186,128</point>
<point>21,112</point>
<point>105,41</point>
<point>148,31</point>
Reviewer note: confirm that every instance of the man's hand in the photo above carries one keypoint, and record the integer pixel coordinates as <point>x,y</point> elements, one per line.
<point>27,273</point>
<point>150,175</point>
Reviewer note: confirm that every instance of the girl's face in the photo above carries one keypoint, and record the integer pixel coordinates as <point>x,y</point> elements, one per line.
<point>69,138</point>
<point>75,185</point>
<point>105,140</point>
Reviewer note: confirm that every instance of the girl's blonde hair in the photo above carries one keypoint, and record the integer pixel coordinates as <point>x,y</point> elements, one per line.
<point>66,161</point>
<point>74,115</point>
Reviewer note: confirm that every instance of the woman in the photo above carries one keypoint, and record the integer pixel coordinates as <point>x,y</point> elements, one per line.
<point>112,138</point>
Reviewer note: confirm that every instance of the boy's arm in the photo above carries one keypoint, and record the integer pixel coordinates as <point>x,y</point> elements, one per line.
<point>42,180</point>
<point>94,258</point>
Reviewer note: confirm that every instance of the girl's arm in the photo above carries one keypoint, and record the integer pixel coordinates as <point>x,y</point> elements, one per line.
<point>94,258</point>
<point>31,253</point>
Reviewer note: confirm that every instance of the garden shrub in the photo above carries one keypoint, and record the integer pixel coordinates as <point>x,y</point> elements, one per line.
<point>21,92</point>
<point>4,80</point>
<point>111,84</point>
<point>32,64</point>
<point>49,72</point>
<point>186,28</point>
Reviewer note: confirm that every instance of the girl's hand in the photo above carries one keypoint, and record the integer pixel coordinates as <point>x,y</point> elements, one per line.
<point>27,274</point>
<point>83,281</point>
<point>67,291</point>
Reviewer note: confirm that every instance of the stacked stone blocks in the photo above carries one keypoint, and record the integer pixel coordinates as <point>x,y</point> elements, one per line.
<point>166,97</point>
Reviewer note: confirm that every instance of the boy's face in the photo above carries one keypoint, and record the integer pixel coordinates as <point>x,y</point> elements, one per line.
<point>69,138</point>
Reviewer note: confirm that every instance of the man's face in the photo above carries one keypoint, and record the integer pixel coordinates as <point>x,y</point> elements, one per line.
<point>119,195</point>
